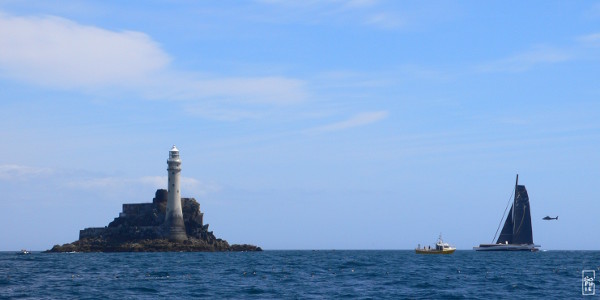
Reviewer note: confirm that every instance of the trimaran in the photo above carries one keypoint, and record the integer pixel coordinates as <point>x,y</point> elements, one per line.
<point>516,235</point>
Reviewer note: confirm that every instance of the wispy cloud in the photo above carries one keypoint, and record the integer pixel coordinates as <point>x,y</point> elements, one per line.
<point>362,12</point>
<point>59,53</point>
<point>524,61</point>
<point>592,39</point>
<point>83,180</point>
<point>384,20</point>
<point>223,114</point>
<point>361,3</point>
<point>264,90</point>
<point>12,172</point>
<point>355,121</point>
<point>188,184</point>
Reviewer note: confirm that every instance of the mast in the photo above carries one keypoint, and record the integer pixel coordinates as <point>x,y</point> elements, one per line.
<point>515,203</point>
<point>506,235</point>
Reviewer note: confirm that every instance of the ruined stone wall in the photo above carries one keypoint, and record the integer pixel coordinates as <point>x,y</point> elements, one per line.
<point>145,220</point>
<point>92,232</point>
<point>137,209</point>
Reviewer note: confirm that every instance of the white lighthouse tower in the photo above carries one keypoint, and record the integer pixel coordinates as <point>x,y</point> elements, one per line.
<point>174,216</point>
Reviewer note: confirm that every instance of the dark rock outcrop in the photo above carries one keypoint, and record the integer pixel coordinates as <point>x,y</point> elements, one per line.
<point>139,228</point>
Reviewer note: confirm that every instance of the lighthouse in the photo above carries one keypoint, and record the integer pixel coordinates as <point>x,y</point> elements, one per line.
<point>174,216</point>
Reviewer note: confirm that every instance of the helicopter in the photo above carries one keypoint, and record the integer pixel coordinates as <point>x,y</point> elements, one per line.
<point>547,218</point>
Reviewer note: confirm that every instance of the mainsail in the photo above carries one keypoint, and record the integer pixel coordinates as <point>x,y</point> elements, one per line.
<point>507,231</point>
<point>517,227</point>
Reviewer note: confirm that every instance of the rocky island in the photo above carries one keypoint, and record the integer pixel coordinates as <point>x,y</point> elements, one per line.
<point>169,223</point>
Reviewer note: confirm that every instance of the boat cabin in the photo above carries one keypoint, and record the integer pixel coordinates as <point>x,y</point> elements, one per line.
<point>442,246</point>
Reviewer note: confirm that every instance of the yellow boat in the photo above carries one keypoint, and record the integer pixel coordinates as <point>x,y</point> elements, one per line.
<point>440,248</point>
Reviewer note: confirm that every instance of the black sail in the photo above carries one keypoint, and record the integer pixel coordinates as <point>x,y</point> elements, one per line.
<point>521,233</point>
<point>516,234</point>
<point>506,236</point>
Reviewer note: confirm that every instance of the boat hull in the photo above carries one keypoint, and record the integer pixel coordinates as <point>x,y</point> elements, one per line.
<point>433,251</point>
<point>507,247</point>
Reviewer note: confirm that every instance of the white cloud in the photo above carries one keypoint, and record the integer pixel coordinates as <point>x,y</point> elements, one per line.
<point>361,3</point>
<point>526,60</point>
<point>356,121</point>
<point>384,20</point>
<point>363,12</point>
<point>160,182</point>
<point>96,183</point>
<point>263,90</point>
<point>590,39</point>
<point>11,172</point>
<point>54,51</point>
<point>59,53</point>
<point>221,114</point>
<point>157,182</point>
<point>190,186</point>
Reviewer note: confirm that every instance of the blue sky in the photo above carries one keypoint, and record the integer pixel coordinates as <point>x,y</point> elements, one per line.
<point>302,125</point>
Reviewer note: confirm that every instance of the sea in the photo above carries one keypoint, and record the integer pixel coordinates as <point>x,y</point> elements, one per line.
<point>330,274</point>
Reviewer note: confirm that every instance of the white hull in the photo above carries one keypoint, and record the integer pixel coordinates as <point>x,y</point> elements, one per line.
<point>506,247</point>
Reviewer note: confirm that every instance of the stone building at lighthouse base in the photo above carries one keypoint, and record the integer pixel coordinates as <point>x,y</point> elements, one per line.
<point>169,223</point>
<point>140,228</point>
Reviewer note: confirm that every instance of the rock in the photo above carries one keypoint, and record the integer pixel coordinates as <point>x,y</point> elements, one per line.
<point>244,247</point>
<point>139,229</point>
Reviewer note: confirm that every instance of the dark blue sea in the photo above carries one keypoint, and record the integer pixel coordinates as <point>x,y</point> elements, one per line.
<point>297,275</point>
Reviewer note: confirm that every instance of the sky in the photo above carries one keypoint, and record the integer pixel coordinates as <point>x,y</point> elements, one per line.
<point>334,124</point>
